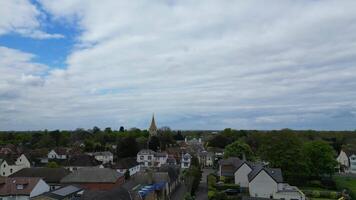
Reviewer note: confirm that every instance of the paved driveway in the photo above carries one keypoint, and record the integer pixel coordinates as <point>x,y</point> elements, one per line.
<point>202,192</point>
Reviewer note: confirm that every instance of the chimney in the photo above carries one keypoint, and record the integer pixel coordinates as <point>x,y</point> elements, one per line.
<point>243,156</point>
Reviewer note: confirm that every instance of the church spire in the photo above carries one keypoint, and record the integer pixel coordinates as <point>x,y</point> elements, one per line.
<point>153,128</point>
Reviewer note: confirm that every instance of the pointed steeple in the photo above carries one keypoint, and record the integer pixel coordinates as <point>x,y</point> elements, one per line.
<point>153,128</point>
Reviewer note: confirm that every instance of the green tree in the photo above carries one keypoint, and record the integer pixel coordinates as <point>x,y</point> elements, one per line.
<point>154,143</point>
<point>284,150</point>
<point>320,158</point>
<point>238,149</point>
<point>52,164</point>
<point>127,147</point>
<point>219,141</point>
<point>107,130</point>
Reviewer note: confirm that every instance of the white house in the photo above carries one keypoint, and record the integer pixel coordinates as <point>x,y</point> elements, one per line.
<point>186,161</point>
<point>59,153</point>
<point>8,166</point>
<point>268,183</point>
<point>347,161</point>
<point>149,158</point>
<point>104,156</point>
<point>127,164</point>
<point>22,188</point>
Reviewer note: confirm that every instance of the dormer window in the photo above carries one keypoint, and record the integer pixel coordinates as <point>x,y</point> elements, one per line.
<point>19,186</point>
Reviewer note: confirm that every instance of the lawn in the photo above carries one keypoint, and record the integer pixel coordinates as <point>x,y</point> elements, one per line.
<point>346,182</point>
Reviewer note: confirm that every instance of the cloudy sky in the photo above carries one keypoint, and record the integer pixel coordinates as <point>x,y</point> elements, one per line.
<point>196,64</point>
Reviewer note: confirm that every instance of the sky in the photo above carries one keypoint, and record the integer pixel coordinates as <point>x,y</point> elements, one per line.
<point>201,64</point>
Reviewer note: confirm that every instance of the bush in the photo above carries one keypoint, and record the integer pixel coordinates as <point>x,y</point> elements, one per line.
<point>315,194</point>
<point>213,195</point>
<point>227,186</point>
<point>334,195</point>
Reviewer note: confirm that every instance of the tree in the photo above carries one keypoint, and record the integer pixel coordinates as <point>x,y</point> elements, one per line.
<point>52,164</point>
<point>284,150</point>
<point>122,129</point>
<point>239,149</point>
<point>154,143</point>
<point>127,174</point>
<point>178,136</point>
<point>96,129</point>
<point>320,158</point>
<point>219,141</point>
<point>107,130</point>
<point>55,136</point>
<point>127,147</point>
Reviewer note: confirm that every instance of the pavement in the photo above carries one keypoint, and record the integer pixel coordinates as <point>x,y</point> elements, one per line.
<point>179,193</point>
<point>202,192</point>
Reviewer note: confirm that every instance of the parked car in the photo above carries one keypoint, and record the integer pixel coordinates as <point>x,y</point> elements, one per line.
<point>232,191</point>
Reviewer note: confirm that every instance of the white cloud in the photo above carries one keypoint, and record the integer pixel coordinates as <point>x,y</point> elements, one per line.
<point>22,17</point>
<point>201,64</point>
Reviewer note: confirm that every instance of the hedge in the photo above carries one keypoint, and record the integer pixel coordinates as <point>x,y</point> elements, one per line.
<point>227,186</point>
<point>322,194</point>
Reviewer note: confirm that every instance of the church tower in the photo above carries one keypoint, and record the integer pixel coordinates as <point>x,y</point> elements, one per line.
<point>153,128</point>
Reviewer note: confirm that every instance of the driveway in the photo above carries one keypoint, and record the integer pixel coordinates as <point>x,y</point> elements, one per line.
<point>202,192</point>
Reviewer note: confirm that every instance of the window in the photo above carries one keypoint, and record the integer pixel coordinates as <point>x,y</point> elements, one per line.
<point>141,157</point>
<point>20,160</point>
<point>19,186</point>
<point>10,170</point>
<point>4,165</point>
<point>149,157</point>
<point>3,173</point>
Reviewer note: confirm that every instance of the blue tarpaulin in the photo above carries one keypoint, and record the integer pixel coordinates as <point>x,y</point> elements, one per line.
<point>150,188</point>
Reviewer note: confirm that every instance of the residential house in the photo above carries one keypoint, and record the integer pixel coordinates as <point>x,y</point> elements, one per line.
<point>94,178</point>
<point>262,182</point>
<point>80,161</point>
<point>58,153</point>
<point>10,165</point>
<point>22,188</point>
<point>52,176</point>
<point>347,161</point>
<point>186,161</point>
<point>268,183</point>
<point>149,158</point>
<point>125,164</point>
<point>206,159</point>
<point>171,160</point>
<point>69,192</point>
<point>103,156</point>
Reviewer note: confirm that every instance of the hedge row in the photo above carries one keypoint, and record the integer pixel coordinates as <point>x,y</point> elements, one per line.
<point>322,194</point>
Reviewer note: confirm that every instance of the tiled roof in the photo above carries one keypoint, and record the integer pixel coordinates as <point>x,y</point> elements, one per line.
<point>82,161</point>
<point>103,153</point>
<point>49,175</point>
<point>118,193</point>
<point>92,175</point>
<point>62,193</point>
<point>146,152</point>
<point>274,173</point>
<point>9,186</point>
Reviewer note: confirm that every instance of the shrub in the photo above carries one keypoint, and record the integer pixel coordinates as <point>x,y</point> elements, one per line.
<point>315,194</point>
<point>227,186</point>
<point>334,195</point>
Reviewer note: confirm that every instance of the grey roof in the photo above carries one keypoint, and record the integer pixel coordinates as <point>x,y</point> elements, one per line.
<point>67,190</point>
<point>92,175</point>
<point>235,162</point>
<point>274,173</point>
<point>146,152</point>
<point>49,175</point>
<point>187,156</point>
<point>118,193</point>
<point>161,154</point>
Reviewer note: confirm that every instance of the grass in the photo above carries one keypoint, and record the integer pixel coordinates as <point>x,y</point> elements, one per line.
<point>346,182</point>
<point>315,188</point>
<point>320,199</point>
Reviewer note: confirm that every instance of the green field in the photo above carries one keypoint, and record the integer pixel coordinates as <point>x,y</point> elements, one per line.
<point>346,182</point>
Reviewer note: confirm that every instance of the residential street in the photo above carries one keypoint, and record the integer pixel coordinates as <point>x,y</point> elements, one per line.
<point>202,193</point>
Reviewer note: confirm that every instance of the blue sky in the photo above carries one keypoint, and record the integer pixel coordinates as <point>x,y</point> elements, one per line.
<point>242,64</point>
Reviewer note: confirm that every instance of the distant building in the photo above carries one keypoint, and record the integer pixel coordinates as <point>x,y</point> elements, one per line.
<point>58,153</point>
<point>10,165</point>
<point>206,159</point>
<point>186,161</point>
<point>22,188</point>
<point>95,178</point>
<point>118,193</point>
<point>52,176</point>
<point>149,158</point>
<point>125,164</point>
<point>347,161</point>
<point>103,156</point>
<point>153,128</point>
<point>81,161</point>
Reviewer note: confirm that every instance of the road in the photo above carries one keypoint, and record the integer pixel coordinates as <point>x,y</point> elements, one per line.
<point>202,192</point>
<point>179,193</point>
